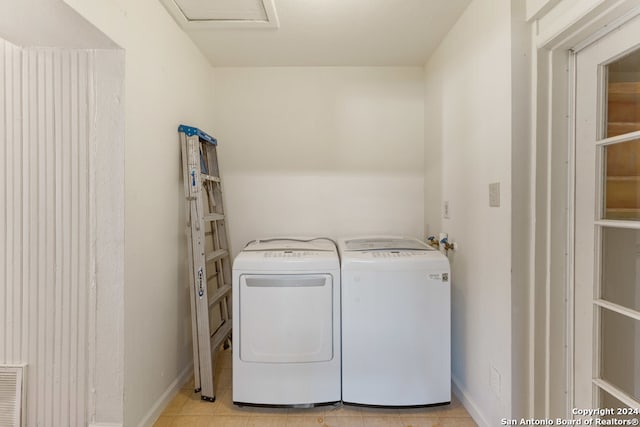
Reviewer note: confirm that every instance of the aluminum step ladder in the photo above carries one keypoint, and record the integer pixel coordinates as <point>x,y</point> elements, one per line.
<point>208,254</point>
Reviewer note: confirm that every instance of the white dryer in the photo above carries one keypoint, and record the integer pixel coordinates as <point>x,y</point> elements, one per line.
<point>286,323</point>
<point>396,323</point>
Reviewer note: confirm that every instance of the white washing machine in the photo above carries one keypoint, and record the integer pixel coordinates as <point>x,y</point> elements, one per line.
<point>286,323</point>
<point>396,323</point>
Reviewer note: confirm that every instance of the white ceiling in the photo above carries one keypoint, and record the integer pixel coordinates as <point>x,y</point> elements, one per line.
<point>323,32</point>
<point>48,23</point>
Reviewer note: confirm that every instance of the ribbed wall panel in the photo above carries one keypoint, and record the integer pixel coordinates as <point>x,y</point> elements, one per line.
<point>45,250</point>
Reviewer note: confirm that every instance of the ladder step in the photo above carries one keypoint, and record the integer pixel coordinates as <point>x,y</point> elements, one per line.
<point>219,294</point>
<point>211,178</point>
<point>213,217</point>
<point>221,334</point>
<point>216,255</point>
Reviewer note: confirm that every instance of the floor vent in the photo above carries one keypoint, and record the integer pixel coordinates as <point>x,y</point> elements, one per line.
<point>11,395</point>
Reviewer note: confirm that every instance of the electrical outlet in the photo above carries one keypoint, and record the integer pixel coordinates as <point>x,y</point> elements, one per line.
<point>445,209</point>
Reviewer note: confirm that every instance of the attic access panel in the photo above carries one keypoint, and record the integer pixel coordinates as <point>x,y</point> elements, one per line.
<point>212,14</point>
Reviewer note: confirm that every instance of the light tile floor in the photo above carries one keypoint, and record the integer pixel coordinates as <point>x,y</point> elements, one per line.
<point>188,410</point>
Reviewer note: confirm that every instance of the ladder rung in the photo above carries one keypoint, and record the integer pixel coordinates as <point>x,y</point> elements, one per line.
<point>216,255</point>
<point>213,217</point>
<point>212,178</point>
<point>221,334</point>
<point>219,294</point>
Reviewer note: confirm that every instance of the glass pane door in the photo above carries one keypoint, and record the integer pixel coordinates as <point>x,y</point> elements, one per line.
<point>617,299</point>
<point>606,274</point>
<point>622,159</point>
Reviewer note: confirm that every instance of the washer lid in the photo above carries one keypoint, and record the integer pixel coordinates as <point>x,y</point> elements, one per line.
<point>290,244</point>
<point>385,243</point>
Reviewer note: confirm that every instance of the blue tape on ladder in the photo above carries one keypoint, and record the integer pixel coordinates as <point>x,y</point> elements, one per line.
<point>191,131</point>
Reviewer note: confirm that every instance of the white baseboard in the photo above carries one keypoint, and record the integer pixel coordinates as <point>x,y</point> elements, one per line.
<point>166,397</point>
<point>468,403</point>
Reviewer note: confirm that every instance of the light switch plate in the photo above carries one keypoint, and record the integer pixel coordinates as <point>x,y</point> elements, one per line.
<point>494,194</point>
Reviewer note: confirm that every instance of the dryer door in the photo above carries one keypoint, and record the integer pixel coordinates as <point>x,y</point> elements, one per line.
<point>286,318</point>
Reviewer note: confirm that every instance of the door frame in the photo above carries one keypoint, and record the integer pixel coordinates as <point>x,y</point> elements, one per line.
<point>553,152</point>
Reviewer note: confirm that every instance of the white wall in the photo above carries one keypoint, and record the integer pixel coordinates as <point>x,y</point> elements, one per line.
<point>522,214</point>
<point>107,343</point>
<point>66,244</point>
<point>167,82</point>
<point>320,150</point>
<point>433,113</point>
<point>47,252</point>
<point>472,74</point>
